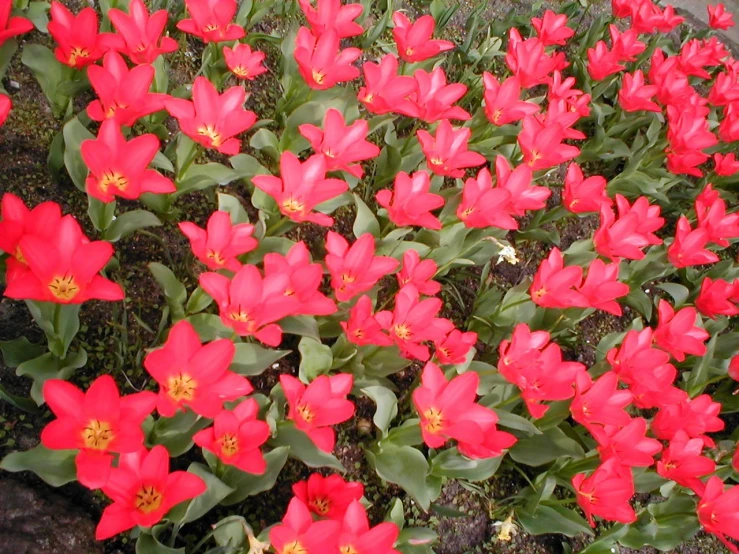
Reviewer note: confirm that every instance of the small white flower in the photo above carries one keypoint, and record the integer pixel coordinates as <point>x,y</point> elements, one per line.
<point>506,529</point>
<point>508,253</point>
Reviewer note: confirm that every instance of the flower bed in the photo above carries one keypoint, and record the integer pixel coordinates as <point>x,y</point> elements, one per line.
<point>342,268</point>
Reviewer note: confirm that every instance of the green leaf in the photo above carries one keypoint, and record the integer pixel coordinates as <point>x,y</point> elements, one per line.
<point>231,532</point>
<point>174,291</point>
<point>387,406</point>
<point>679,293</point>
<point>48,366</point>
<point>365,222</point>
<point>538,450</point>
<point>406,467</point>
<point>302,325</point>
<point>49,72</point>
<point>216,491</point>
<point>513,421</point>
<point>60,323</point>
<point>129,222</point>
<point>19,350</point>
<point>101,213</point>
<point>664,525</point>
<point>302,448</point>
<point>147,544</point>
<point>553,519</point>
<point>74,134</point>
<point>247,484</point>
<point>55,467</point>
<point>209,327</point>
<point>267,142</point>
<point>699,375</point>
<point>252,359</point>
<point>638,300</point>
<point>231,204</point>
<point>20,402</point>
<point>247,166</point>
<point>198,301</point>
<point>315,359</point>
<point>453,465</point>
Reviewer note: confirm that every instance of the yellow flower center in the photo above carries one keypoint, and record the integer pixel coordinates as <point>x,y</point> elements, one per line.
<point>115,106</point>
<point>148,499</point>
<point>369,97</point>
<point>294,548</point>
<point>497,114</point>
<point>539,294</point>
<point>19,255</point>
<point>409,51</point>
<point>305,412</point>
<point>229,444</point>
<point>210,27</point>
<point>241,71</point>
<point>535,156</point>
<point>97,435</point>
<point>402,331</point>
<point>112,179</point>
<point>433,421</point>
<point>348,549</point>
<point>216,257</point>
<point>318,77</point>
<point>467,213</point>
<point>181,387</point>
<point>212,133</point>
<point>321,505</point>
<point>293,206</point>
<point>436,161</point>
<point>78,52</point>
<point>64,287</point>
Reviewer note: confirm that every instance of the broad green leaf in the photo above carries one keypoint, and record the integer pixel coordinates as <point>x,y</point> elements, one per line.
<point>387,406</point>
<point>209,327</point>
<point>302,448</point>
<point>247,484</point>
<point>147,544</point>
<point>302,325</point>
<point>48,366</point>
<point>365,222</point>
<point>700,375</point>
<point>201,505</point>
<point>513,421</point>
<point>406,467</point>
<point>199,177</point>
<point>315,359</point>
<point>20,402</point>
<point>679,293</point>
<point>49,72</point>
<point>101,213</point>
<point>198,301</point>
<point>538,450</point>
<point>129,222</point>
<point>247,166</point>
<point>453,465</point>
<point>252,359</point>
<point>74,134</point>
<point>231,204</point>
<point>553,519</point>
<point>19,350</point>
<point>174,291</point>
<point>56,467</point>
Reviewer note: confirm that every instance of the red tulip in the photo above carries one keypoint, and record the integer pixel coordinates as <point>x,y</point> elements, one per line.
<point>410,202</point>
<point>678,334</point>
<point>414,322</point>
<point>142,33</point>
<point>11,26</point>
<point>719,18</point>
<point>194,375</point>
<point>542,145</point>
<point>710,210</point>
<point>317,407</point>
<point>304,279</point>
<point>669,20</point>
<point>625,46</point>
<point>328,497</point>
<point>536,367</point>
<point>5,106</point>
<point>447,153</point>
<point>552,28</point>
<point>62,267</point>
<point>357,537</point>
<point>211,20</point>
<point>455,347</point>
<point>362,327</point>
<point>414,40</point>
<point>330,14</point>
<point>634,229</point>
<point>355,269</point>
<point>250,304</point>
<point>220,243</point>
<point>606,493</point>
<point>484,205</point>
<point>244,63</point>
<point>213,119</point>
<point>635,96</point>
<point>696,55</point>
<point>725,89</point>
<point>18,221</point>
<point>433,99</point>
<point>725,166</point>
<point>601,287</point>
<point>682,462</point>
<point>628,444</point>
<point>603,62</point>
<point>728,130</point>
<point>123,94</point>
<point>341,145</point>
<point>320,60</point>
<point>143,491</point>
<point>77,36</point>
<point>555,286</point>
<point>503,102</point>
<point>717,512</point>
<point>301,188</point>
<point>717,298</point>
<point>97,423</point>
<point>120,168</point>
<point>624,8</point>
<point>418,273</point>
<point>583,195</point>
<point>236,436</point>
<point>600,401</point>
<point>695,416</point>
<point>299,534</point>
<point>524,195</point>
<point>734,368</point>
<point>529,62</point>
<point>448,411</point>
<point>384,90</point>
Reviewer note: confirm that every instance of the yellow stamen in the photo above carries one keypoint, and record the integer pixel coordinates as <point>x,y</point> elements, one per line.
<point>181,387</point>
<point>216,257</point>
<point>97,435</point>
<point>212,133</point>
<point>112,179</point>
<point>306,413</point>
<point>148,499</point>
<point>64,288</point>
<point>402,331</point>
<point>321,505</point>
<point>294,548</point>
<point>318,77</point>
<point>433,421</point>
<point>229,444</point>
<point>77,52</point>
